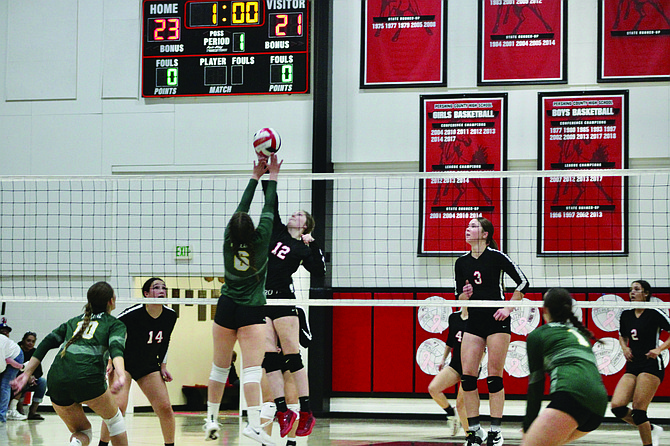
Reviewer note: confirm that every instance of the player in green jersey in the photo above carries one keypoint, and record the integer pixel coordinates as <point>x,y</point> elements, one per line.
<point>240,312</point>
<point>561,349</point>
<point>77,375</point>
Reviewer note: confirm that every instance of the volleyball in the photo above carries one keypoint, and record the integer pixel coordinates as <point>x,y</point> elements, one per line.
<point>267,141</point>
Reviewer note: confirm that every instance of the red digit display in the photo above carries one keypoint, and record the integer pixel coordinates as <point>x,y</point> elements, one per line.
<point>286,25</point>
<point>161,29</point>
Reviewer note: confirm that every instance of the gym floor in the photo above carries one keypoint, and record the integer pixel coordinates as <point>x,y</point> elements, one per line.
<point>144,429</point>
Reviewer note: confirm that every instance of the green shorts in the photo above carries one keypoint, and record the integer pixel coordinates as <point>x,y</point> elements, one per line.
<point>67,392</point>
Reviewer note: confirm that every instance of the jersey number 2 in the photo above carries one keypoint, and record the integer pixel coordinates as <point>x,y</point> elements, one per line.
<point>158,338</point>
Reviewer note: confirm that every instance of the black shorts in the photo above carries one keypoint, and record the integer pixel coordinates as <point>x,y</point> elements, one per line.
<point>231,315</point>
<point>275,312</point>
<point>138,369</point>
<point>587,421</point>
<point>652,366</point>
<point>484,324</point>
<point>455,364</point>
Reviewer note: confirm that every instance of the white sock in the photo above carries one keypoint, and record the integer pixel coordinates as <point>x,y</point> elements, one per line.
<point>13,404</point>
<point>254,414</point>
<point>212,411</point>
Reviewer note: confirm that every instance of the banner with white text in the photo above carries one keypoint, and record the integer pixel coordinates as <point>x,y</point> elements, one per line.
<point>522,42</point>
<point>633,40</point>
<point>583,214</point>
<point>461,133</point>
<point>403,43</point>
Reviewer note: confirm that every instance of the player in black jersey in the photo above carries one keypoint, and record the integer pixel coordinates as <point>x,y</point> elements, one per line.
<point>77,374</point>
<point>639,331</point>
<point>479,276</point>
<point>450,374</point>
<point>149,327</point>
<point>291,245</point>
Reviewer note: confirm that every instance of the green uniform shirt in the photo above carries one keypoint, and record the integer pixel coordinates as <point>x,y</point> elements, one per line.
<point>565,354</point>
<point>245,282</point>
<point>87,357</point>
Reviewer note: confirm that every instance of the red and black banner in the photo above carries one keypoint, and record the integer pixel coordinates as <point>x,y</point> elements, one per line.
<point>633,40</point>
<point>522,42</point>
<point>403,43</point>
<point>583,213</point>
<point>461,133</point>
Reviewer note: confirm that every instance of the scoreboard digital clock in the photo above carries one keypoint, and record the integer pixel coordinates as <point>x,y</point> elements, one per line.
<point>225,47</point>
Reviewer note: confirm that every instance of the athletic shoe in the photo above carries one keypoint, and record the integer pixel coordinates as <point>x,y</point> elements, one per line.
<point>305,424</point>
<point>35,416</point>
<point>258,434</point>
<point>656,432</point>
<point>75,442</point>
<point>494,439</point>
<point>474,438</point>
<point>211,429</point>
<point>286,420</point>
<point>15,415</point>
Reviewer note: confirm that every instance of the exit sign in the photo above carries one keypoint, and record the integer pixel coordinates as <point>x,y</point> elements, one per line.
<point>183,253</point>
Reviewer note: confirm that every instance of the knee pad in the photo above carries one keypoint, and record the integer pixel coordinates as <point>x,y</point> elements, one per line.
<point>272,362</point>
<point>252,374</point>
<point>293,362</point>
<point>268,410</point>
<point>116,425</point>
<point>639,416</point>
<point>219,374</point>
<point>468,383</point>
<point>294,407</point>
<point>620,412</point>
<point>495,384</point>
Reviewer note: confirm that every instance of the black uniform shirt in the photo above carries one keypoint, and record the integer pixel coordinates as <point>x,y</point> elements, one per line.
<point>148,338</point>
<point>643,332</point>
<point>485,274</point>
<point>286,256</point>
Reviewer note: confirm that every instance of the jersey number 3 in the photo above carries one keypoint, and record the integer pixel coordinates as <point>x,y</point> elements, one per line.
<point>158,338</point>
<point>478,277</point>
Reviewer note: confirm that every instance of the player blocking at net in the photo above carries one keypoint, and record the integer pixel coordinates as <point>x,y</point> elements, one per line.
<point>240,312</point>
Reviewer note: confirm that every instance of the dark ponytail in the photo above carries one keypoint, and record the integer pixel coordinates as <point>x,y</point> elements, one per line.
<point>98,296</point>
<point>558,301</point>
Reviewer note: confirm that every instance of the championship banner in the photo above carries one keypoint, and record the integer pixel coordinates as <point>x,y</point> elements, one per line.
<point>522,42</point>
<point>583,214</point>
<point>403,43</point>
<point>461,133</point>
<point>633,40</point>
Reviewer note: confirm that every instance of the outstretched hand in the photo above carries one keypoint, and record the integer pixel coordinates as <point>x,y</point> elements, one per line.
<point>260,168</point>
<point>274,167</point>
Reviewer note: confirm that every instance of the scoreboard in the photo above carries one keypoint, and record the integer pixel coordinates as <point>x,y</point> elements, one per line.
<point>225,47</point>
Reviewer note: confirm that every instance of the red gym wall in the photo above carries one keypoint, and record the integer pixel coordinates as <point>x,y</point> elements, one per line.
<point>374,348</point>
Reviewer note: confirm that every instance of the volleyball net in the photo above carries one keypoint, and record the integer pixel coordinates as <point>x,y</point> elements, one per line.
<point>401,231</point>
